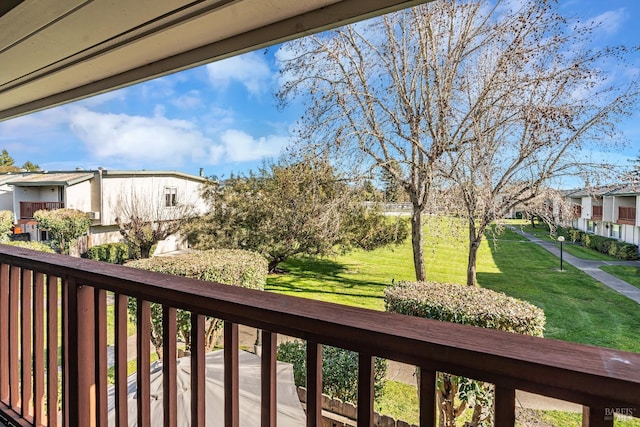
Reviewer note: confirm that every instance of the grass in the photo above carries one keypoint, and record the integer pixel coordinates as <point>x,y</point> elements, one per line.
<point>399,401</point>
<point>577,307</point>
<point>541,231</point>
<point>569,419</point>
<point>629,274</point>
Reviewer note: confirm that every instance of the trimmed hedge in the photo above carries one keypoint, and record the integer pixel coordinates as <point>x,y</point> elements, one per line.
<point>466,305</point>
<point>230,266</point>
<point>339,370</point>
<point>470,306</point>
<point>114,253</point>
<point>36,246</point>
<point>605,245</point>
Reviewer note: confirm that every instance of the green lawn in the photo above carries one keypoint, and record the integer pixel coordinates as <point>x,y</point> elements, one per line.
<point>541,231</point>
<point>629,274</point>
<point>578,308</point>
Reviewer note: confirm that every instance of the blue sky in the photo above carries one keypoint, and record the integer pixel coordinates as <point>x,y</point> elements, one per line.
<point>222,117</point>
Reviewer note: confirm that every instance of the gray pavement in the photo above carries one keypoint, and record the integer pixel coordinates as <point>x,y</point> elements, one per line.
<point>592,268</point>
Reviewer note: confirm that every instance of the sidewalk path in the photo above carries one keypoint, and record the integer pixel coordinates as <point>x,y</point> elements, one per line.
<point>592,268</point>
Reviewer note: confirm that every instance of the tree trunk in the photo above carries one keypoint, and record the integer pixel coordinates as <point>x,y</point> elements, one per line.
<point>416,243</point>
<point>475,238</point>
<point>145,251</point>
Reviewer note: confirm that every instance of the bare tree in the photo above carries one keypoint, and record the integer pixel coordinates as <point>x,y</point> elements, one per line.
<point>428,86</point>
<point>382,93</point>
<point>144,219</point>
<point>548,96</point>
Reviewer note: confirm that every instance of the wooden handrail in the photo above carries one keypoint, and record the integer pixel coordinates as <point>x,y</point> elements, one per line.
<point>27,209</point>
<point>627,215</point>
<point>595,377</point>
<point>596,212</point>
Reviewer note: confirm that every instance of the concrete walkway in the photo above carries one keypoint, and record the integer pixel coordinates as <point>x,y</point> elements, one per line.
<point>592,268</point>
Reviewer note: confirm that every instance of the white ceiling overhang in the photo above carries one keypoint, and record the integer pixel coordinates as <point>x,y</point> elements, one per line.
<point>56,51</point>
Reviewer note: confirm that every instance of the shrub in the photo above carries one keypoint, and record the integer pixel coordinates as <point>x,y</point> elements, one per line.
<point>114,253</point>
<point>229,266</point>
<point>576,236</point>
<point>36,246</point>
<point>613,247</point>
<point>6,224</point>
<point>339,370</point>
<point>470,306</point>
<point>465,304</point>
<point>64,225</point>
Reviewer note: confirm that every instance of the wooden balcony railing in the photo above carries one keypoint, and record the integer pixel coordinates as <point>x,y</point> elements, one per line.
<point>627,215</point>
<point>32,283</point>
<point>596,212</point>
<point>28,208</point>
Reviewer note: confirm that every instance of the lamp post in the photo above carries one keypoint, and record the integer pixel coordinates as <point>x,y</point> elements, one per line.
<point>560,239</point>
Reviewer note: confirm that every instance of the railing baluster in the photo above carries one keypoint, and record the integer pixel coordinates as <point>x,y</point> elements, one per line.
<point>143,351</point>
<point>4,333</point>
<point>198,371</point>
<point>81,357</point>
<point>314,384</point>
<point>596,417</point>
<point>38,349</point>
<point>365,390</point>
<point>269,410</point>
<point>505,406</point>
<point>101,357</point>
<point>231,376</point>
<point>14,329</point>
<point>65,351</point>
<point>25,343</point>
<point>52,351</point>
<point>428,378</point>
<point>120,321</point>
<point>169,356</point>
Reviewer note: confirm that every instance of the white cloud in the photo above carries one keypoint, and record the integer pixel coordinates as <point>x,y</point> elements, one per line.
<point>250,69</point>
<point>188,101</point>
<point>241,147</point>
<point>158,141</point>
<point>137,139</point>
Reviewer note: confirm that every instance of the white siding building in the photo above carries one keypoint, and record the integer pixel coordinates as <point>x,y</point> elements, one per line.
<point>101,193</point>
<point>611,211</point>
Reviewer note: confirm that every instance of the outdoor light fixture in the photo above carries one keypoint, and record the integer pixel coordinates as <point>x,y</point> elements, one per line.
<point>560,239</point>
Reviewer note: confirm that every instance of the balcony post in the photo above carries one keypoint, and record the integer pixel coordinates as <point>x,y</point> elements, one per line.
<point>82,384</point>
<point>597,417</point>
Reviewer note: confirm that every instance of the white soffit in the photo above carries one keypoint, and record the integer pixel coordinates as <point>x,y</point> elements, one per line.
<point>56,51</point>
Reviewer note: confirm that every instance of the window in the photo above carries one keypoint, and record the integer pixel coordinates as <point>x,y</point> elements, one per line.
<point>591,226</point>
<point>170,197</point>
<point>614,231</point>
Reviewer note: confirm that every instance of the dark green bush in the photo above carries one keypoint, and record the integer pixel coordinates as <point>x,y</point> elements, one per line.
<point>339,370</point>
<point>613,247</point>
<point>575,236</point>
<point>114,253</point>
<point>36,246</point>
<point>625,251</point>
